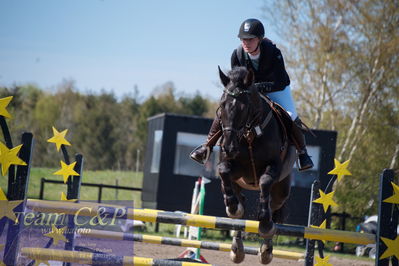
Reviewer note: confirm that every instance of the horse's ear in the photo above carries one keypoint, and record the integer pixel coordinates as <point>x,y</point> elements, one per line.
<point>225,80</point>
<point>249,78</point>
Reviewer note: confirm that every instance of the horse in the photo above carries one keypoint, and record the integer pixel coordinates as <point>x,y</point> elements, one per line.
<point>254,155</point>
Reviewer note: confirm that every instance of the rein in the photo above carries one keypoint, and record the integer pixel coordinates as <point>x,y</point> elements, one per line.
<point>250,136</point>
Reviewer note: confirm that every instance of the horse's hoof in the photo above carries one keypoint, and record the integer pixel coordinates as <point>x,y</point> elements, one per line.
<point>267,229</point>
<point>237,253</point>
<point>238,214</point>
<point>265,254</point>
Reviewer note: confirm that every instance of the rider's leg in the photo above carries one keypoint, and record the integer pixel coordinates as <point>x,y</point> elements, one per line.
<point>284,98</point>
<point>201,154</point>
<point>299,140</point>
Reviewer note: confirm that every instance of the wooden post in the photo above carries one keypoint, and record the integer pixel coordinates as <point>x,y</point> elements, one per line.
<point>17,190</point>
<point>387,218</point>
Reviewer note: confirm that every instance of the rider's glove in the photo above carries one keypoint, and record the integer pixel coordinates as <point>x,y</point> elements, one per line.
<point>264,87</point>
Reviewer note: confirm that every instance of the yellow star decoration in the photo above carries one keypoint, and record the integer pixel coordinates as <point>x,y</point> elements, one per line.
<point>321,226</point>
<point>64,197</point>
<point>66,170</point>
<point>395,197</point>
<point>3,104</point>
<point>57,234</point>
<point>392,248</point>
<point>9,157</point>
<point>323,262</point>
<point>340,169</point>
<point>6,207</point>
<point>326,200</point>
<point>59,138</point>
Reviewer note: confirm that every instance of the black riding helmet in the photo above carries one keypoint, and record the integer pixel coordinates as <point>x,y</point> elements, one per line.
<point>251,28</point>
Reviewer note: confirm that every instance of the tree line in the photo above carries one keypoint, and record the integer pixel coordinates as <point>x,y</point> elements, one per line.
<point>106,130</point>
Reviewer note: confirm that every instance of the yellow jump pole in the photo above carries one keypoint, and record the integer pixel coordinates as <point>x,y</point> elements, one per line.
<point>45,254</point>
<point>181,242</point>
<point>156,216</point>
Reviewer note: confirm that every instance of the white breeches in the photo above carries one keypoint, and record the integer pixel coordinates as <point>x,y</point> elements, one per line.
<point>284,98</point>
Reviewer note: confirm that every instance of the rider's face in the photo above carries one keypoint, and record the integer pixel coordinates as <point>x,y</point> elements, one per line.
<point>250,45</point>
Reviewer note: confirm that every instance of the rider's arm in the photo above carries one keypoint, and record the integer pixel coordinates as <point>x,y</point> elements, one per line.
<point>234,59</point>
<point>279,75</point>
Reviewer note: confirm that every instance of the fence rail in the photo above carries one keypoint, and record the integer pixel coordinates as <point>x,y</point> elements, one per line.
<point>43,181</point>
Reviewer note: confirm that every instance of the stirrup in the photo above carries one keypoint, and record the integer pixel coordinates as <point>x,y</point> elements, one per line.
<point>306,167</point>
<point>207,155</point>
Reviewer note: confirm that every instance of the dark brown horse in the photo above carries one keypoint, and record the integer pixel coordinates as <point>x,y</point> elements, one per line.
<point>251,154</point>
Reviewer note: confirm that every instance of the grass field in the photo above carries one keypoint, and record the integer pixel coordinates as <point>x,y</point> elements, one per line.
<point>53,191</point>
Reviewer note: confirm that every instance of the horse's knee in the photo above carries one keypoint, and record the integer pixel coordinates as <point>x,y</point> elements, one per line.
<point>230,200</point>
<point>224,169</point>
<point>265,182</point>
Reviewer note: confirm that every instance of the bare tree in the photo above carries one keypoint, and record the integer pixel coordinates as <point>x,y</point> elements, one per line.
<point>343,56</point>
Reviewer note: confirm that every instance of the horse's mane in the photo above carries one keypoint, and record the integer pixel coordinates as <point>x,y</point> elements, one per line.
<point>237,76</point>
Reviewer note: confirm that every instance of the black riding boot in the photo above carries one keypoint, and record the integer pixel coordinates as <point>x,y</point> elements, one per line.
<point>201,153</point>
<point>299,140</point>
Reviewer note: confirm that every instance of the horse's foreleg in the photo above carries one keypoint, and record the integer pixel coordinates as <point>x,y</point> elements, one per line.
<point>234,208</point>
<point>237,253</point>
<point>266,225</point>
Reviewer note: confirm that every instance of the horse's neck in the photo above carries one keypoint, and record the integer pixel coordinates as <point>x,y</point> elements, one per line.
<point>264,106</point>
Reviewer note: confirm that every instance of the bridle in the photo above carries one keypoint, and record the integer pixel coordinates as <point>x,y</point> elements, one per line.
<point>253,116</point>
<point>250,130</point>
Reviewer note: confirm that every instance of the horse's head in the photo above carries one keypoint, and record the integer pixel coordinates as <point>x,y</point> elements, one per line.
<point>238,105</point>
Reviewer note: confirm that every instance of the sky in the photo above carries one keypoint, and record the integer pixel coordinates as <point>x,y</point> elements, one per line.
<point>117,45</point>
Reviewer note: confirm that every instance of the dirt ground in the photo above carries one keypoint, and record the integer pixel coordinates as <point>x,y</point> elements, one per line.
<point>126,248</point>
<point>222,258</point>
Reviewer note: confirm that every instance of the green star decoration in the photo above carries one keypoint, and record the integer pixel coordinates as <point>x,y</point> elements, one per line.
<point>57,234</point>
<point>395,197</point>
<point>59,138</point>
<point>326,200</point>
<point>66,171</point>
<point>340,169</point>
<point>9,157</point>
<point>323,262</point>
<point>3,104</point>
<point>392,248</point>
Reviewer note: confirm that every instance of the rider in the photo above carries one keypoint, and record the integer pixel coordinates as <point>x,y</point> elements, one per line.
<point>265,60</point>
